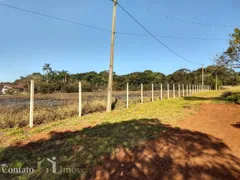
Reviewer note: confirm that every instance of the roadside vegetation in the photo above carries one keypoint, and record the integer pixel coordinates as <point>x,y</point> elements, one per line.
<point>84,142</point>
<point>231,96</point>
<point>14,109</point>
<point>221,96</point>
<point>14,116</point>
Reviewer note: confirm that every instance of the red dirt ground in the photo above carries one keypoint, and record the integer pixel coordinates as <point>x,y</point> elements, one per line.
<point>221,121</point>
<point>206,146</point>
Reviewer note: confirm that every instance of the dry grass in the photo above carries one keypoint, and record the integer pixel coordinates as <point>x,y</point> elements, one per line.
<point>14,116</point>
<point>14,109</point>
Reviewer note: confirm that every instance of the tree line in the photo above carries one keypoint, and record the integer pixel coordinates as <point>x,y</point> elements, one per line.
<point>51,81</point>
<point>62,81</point>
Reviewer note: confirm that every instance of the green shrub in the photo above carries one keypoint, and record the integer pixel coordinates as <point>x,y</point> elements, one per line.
<point>231,96</point>
<point>226,94</point>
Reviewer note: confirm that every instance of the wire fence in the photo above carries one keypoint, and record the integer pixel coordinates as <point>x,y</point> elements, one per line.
<point>49,107</point>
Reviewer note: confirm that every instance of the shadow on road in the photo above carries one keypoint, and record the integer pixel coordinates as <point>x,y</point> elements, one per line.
<point>133,149</point>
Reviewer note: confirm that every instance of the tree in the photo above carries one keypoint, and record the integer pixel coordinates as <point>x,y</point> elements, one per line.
<point>47,70</point>
<point>180,76</point>
<point>231,57</point>
<point>25,81</point>
<point>63,75</point>
<point>62,81</point>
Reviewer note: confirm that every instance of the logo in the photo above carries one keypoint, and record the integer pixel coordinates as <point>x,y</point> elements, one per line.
<point>51,161</point>
<point>16,170</point>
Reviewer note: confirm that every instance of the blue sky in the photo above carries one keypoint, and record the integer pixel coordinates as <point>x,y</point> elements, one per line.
<point>29,41</point>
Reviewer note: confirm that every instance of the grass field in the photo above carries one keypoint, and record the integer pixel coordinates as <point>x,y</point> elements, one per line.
<point>14,109</point>
<point>84,142</point>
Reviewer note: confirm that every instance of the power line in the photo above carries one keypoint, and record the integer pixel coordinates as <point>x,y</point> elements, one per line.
<point>172,37</point>
<point>153,35</point>
<point>182,20</point>
<point>102,29</point>
<point>53,17</point>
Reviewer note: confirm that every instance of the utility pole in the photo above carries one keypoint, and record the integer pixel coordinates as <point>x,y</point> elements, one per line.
<point>31,104</point>
<point>110,79</point>
<point>202,75</point>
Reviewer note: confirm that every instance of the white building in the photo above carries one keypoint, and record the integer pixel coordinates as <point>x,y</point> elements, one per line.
<point>4,89</point>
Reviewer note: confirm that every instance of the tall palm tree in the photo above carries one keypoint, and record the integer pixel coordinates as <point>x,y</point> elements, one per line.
<point>64,75</point>
<point>47,70</point>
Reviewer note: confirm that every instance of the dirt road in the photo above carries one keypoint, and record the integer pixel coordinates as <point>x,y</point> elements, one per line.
<point>205,146</point>
<point>219,120</point>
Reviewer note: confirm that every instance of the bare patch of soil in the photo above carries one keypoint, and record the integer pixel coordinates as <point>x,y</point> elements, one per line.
<point>219,120</point>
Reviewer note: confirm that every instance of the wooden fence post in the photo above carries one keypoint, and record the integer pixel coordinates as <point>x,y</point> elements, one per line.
<point>173,90</point>
<point>80,99</point>
<point>31,104</point>
<point>152,92</point>
<point>168,91</point>
<point>127,94</point>
<point>141,93</point>
<point>161,93</point>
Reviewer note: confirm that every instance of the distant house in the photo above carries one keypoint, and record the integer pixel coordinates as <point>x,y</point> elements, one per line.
<point>14,89</point>
<point>5,89</point>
